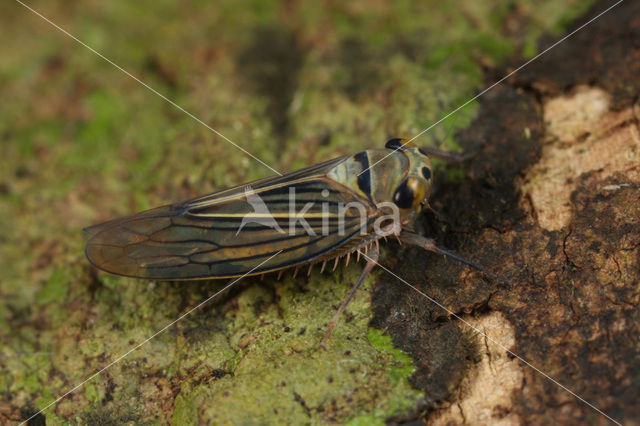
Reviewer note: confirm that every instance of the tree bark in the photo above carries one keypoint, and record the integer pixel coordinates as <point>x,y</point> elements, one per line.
<point>553,203</point>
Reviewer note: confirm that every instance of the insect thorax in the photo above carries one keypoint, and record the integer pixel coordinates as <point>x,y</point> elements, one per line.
<point>376,182</point>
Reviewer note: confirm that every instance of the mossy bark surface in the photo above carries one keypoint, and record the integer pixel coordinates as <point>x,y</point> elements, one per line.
<point>296,83</point>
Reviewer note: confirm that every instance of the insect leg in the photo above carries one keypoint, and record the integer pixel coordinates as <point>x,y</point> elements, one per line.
<point>430,244</point>
<point>373,260</point>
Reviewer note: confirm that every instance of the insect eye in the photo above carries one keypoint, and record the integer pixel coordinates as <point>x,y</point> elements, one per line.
<point>409,193</point>
<point>397,143</point>
<point>426,172</point>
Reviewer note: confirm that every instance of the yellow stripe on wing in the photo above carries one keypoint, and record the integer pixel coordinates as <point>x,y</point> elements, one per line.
<point>266,215</point>
<point>216,199</point>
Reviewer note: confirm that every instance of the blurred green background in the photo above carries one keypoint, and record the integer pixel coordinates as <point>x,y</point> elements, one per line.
<point>294,83</point>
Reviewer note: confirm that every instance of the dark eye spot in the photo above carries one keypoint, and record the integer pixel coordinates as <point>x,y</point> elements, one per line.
<point>423,152</point>
<point>426,172</point>
<point>403,197</point>
<point>395,143</point>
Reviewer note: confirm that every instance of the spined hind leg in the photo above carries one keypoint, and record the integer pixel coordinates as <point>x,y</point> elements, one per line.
<point>372,260</point>
<point>430,244</point>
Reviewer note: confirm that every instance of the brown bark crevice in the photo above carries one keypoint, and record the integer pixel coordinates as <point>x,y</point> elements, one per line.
<point>553,203</point>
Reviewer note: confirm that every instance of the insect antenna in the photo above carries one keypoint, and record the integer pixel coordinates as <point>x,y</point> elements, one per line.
<point>449,130</point>
<point>453,157</point>
<point>429,244</point>
<point>450,156</point>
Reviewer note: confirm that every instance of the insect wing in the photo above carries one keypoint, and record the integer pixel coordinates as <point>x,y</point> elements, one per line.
<point>228,233</point>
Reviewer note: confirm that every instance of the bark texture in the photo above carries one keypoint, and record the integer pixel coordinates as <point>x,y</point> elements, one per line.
<point>553,203</point>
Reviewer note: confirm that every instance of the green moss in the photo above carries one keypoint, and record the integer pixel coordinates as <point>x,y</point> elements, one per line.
<point>55,289</point>
<point>279,370</point>
<point>399,372</point>
<point>31,383</point>
<point>184,411</point>
<point>91,392</point>
<point>404,366</point>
